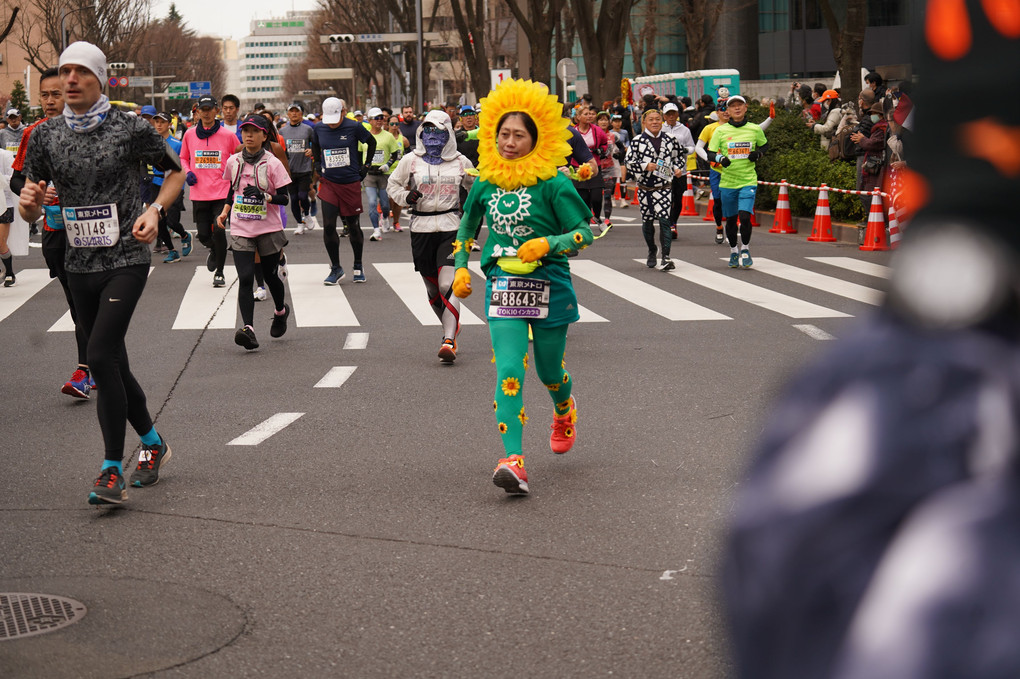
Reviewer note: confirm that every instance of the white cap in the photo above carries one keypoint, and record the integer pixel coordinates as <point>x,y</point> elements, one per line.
<point>373,112</point>
<point>13,112</point>
<point>85,54</point>
<point>736,97</point>
<point>332,110</point>
<point>670,107</point>
<point>358,113</point>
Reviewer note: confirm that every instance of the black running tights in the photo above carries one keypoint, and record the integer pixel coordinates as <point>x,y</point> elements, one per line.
<point>331,238</point>
<point>244,262</point>
<point>745,228</point>
<point>105,302</point>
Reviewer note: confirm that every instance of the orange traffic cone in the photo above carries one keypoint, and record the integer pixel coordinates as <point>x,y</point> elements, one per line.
<point>687,206</point>
<point>821,229</point>
<point>894,228</point>
<point>635,201</point>
<point>710,212</point>
<point>616,195</point>
<point>783,222</point>
<point>754,222</point>
<point>874,237</point>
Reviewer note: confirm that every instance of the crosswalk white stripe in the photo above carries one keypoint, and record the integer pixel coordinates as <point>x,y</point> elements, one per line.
<point>356,340</point>
<point>29,282</point>
<point>336,377</point>
<point>836,286</point>
<point>408,285</point>
<point>585,314</point>
<point>65,324</point>
<point>317,305</point>
<point>856,265</point>
<point>752,294</point>
<point>203,302</point>
<point>642,294</point>
<point>264,430</point>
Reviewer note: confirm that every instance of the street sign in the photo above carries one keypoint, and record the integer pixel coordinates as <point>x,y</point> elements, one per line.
<point>140,81</point>
<point>330,73</point>
<point>178,90</point>
<point>566,69</point>
<point>122,81</point>
<point>199,88</point>
<point>113,81</point>
<point>498,75</point>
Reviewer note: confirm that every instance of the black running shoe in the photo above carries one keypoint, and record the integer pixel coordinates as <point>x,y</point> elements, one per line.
<point>651,260</point>
<point>109,488</point>
<point>218,281</point>
<point>149,461</point>
<point>210,261</point>
<point>279,326</point>
<point>245,337</point>
<point>667,264</point>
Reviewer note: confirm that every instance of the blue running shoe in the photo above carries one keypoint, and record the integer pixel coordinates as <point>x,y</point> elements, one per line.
<point>79,385</point>
<point>109,488</point>
<point>359,276</point>
<point>186,244</point>
<point>734,260</point>
<point>171,257</point>
<point>745,259</point>
<point>92,383</point>
<point>336,274</point>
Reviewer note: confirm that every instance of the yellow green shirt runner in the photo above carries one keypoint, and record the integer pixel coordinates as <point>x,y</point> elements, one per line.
<point>736,143</point>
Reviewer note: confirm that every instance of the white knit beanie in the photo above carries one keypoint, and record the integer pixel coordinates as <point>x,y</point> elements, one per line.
<point>85,54</point>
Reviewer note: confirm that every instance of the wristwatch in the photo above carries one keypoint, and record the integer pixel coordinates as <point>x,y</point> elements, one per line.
<point>160,209</point>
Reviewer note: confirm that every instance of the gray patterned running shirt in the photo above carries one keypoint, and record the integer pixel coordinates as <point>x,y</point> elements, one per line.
<point>96,168</point>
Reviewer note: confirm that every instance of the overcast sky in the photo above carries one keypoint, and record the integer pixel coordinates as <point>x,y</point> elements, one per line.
<point>228,19</point>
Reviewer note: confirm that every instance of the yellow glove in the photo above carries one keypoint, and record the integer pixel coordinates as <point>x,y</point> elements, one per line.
<point>462,283</point>
<point>533,250</point>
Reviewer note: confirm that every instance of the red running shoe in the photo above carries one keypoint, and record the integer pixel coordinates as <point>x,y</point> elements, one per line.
<point>564,429</point>
<point>511,476</point>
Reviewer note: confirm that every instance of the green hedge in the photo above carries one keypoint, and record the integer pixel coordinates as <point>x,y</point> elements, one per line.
<point>795,155</point>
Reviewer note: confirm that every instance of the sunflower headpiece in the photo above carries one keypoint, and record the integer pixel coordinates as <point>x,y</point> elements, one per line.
<point>551,148</point>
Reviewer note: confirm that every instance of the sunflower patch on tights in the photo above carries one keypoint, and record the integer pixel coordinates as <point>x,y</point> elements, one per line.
<point>510,346</point>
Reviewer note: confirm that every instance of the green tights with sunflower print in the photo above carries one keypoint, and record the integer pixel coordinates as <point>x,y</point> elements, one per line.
<point>510,347</point>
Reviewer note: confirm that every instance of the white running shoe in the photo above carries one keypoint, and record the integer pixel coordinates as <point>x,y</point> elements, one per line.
<point>260,294</point>
<point>376,235</point>
<point>311,223</point>
<point>386,226</point>
<point>300,229</point>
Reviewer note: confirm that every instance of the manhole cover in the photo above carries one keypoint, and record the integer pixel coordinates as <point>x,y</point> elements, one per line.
<point>24,615</point>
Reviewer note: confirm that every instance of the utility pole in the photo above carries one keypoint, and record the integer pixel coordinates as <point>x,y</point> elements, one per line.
<point>421,82</point>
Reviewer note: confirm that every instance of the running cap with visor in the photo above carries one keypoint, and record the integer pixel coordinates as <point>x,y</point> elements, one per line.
<point>332,110</point>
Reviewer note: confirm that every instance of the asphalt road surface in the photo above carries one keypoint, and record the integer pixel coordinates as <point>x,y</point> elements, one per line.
<point>328,509</point>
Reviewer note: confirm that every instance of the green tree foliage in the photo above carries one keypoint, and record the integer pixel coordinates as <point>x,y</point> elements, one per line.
<point>795,155</point>
<point>19,100</point>
<point>174,16</point>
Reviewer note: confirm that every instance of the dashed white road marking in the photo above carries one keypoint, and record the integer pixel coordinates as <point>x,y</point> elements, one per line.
<point>336,377</point>
<point>356,340</point>
<point>264,430</point>
<point>814,332</point>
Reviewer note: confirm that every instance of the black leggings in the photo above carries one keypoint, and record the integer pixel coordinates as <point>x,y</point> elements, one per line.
<point>54,246</point>
<point>244,262</point>
<point>607,196</point>
<point>172,223</point>
<point>593,199</point>
<point>210,235</point>
<point>745,228</point>
<point>300,183</point>
<point>678,186</point>
<point>331,238</point>
<point>105,302</point>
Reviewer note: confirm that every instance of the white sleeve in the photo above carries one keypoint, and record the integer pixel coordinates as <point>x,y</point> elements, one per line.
<point>699,149</point>
<point>396,186</point>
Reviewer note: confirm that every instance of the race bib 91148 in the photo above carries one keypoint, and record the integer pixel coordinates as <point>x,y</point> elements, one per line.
<point>92,226</point>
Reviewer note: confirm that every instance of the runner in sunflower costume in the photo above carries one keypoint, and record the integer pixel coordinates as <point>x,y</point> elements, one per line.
<point>535,217</point>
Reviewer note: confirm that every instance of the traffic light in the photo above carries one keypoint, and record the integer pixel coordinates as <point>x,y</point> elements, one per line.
<point>341,37</point>
<point>119,66</point>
